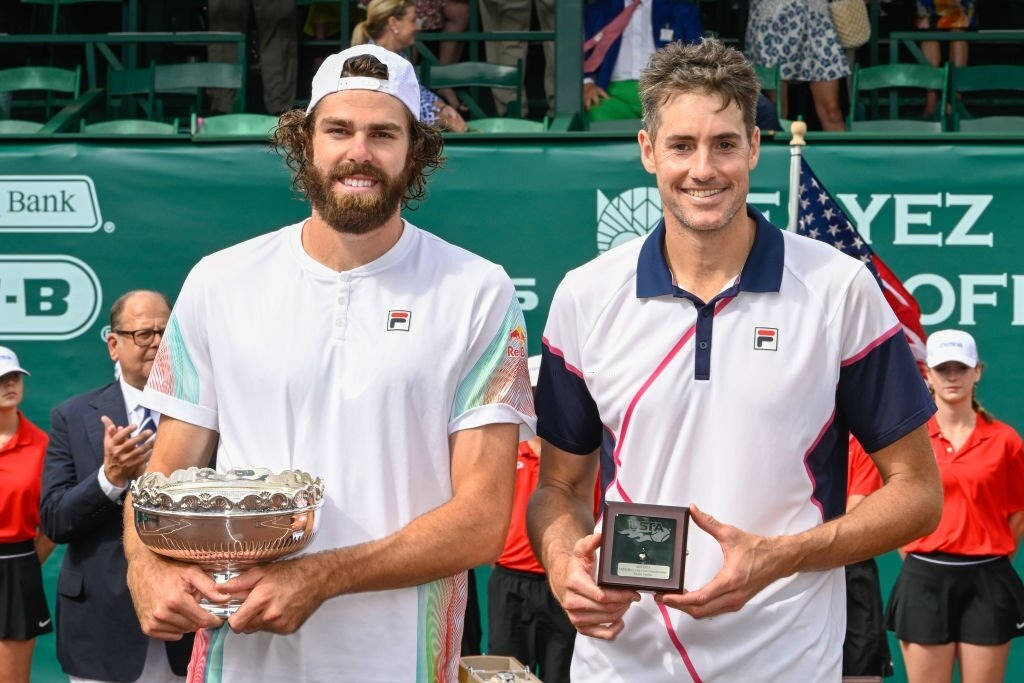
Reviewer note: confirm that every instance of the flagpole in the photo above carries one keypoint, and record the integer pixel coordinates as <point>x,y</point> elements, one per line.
<point>796,148</point>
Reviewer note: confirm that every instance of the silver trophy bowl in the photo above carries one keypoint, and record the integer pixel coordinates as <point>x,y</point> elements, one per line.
<point>226,522</point>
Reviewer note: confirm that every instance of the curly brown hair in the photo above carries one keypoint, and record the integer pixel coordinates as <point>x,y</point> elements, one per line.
<point>293,139</point>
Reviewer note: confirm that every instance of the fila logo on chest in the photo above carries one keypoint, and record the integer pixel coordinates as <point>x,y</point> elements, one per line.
<point>399,320</point>
<point>766,339</point>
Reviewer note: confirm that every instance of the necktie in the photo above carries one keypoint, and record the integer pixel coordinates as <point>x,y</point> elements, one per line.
<point>147,421</point>
<point>606,37</point>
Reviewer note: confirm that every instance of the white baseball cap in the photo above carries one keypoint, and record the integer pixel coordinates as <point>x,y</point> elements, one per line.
<point>951,345</point>
<point>533,365</point>
<point>9,362</point>
<point>401,81</point>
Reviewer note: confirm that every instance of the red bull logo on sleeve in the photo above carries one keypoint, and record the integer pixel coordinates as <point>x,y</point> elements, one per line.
<point>516,343</point>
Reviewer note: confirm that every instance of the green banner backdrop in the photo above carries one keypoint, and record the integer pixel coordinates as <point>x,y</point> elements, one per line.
<point>82,223</point>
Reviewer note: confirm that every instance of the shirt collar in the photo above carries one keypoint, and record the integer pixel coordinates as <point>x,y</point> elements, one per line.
<point>22,437</point>
<point>132,397</point>
<point>982,430</point>
<point>762,271</point>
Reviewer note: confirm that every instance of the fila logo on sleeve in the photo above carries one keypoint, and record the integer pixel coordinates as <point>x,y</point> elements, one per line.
<point>399,320</point>
<point>766,338</point>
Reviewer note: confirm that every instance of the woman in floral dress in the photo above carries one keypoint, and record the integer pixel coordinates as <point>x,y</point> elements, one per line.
<point>797,37</point>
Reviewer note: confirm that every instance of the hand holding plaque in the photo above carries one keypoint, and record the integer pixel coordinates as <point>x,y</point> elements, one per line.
<point>643,547</point>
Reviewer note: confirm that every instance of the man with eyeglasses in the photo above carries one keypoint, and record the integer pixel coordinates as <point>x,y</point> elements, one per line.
<point>99,442</point>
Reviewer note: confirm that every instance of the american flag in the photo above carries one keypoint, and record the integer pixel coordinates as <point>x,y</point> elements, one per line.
<point>820,217</point>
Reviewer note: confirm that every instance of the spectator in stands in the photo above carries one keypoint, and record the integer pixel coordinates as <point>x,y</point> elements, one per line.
<point>525,619</point>
<point>99,442</point>
<point>621,36</point>
<point>392,25</point>
<point>514,15</point>
<point>944,15</point>
<point>958,598</point>
<point>23,548</point>
<point>277,30</point>
<point>866,648</point>
<point>797,37</point>
<point>449,16</point>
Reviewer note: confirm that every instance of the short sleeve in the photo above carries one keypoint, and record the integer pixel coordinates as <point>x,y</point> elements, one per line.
<point>494,386</point>
<point>567,416</point>
<point>862,477</point>
<point>181,382</point>
<point>882,396</point>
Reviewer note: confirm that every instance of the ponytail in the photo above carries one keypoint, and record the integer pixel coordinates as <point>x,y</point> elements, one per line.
<point>377,14</point>
<point>985,415</point>
<point>361,33</point>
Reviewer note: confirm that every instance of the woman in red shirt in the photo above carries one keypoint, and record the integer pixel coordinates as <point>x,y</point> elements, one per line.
<point>958,598</point>
<point>24,614</point>
<point>866,648</point>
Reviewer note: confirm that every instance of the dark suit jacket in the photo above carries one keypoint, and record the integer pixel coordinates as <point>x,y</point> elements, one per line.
<point>98,634</point>
<point>682,16</point>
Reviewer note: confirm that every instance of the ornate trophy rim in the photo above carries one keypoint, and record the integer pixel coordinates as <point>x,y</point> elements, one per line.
<point>204,491</point>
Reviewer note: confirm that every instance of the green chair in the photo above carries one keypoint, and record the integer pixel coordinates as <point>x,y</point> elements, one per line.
<point>892,78</point>
<point>993,124</point>
<point>128,90</point>
<point>991,79</point>
<point>191,79</point>
<point>475,74</point>
<point>15,127</point>
<point>45,79</point>
<point>234,124</point>
<point>617,126</point>
<point>130,127</point>
<point>500,125</point>
<point>768,77</point>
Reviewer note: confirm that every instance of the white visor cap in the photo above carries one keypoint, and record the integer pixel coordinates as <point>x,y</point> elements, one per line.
<point>401,82</point>
<point>9,362</point>
<point>951,345</point>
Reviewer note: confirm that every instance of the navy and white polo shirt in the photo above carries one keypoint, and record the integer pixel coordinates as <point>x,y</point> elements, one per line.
<point>742,405</point>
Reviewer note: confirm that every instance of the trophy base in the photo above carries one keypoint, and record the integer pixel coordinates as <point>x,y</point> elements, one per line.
<point>222,610</point>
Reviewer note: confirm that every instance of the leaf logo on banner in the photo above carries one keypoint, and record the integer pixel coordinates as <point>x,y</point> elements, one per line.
<point>631,214</point>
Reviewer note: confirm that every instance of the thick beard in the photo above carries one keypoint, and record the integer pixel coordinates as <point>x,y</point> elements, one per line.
<point>355,214</point>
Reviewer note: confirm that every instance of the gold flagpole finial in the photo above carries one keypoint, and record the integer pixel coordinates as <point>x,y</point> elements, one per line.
<point>799,130</point>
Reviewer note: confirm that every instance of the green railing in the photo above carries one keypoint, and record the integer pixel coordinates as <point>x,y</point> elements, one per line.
<point>102,42</point>
<point>910,40</point>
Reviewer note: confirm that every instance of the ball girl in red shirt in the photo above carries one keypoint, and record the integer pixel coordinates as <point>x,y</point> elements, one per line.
<point>23,611</point>
<point>958,598</point>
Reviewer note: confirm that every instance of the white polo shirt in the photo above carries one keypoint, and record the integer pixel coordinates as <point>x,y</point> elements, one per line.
<point>358,377</point>
<point>742,405</point>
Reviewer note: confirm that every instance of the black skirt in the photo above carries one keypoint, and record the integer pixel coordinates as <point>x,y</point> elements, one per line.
<point>23,611</point>
<point>940,598</point>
